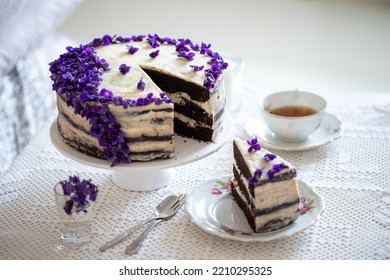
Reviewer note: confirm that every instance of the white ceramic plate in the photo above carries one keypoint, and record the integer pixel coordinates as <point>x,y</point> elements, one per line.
<point>211,207</point>
<point>331,129</point>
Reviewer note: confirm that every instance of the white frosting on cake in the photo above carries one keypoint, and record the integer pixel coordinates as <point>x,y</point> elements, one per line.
<point>166,62</point>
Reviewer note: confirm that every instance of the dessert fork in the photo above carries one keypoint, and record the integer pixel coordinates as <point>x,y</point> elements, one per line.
<point>135,245</point>
<point>162,211</point>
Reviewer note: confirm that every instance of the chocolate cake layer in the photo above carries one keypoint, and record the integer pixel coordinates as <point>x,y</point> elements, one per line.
<point>265,211</point>
<point>244,207</point>
<point>247,192</point>
<point>197,132</point>
<point>171,84</point>
<point>241,161</point>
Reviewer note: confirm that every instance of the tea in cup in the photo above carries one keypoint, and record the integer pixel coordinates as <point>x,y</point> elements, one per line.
<point>293,116</point>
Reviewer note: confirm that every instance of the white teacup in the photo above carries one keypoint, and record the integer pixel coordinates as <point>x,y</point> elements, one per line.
<point>293,116</point>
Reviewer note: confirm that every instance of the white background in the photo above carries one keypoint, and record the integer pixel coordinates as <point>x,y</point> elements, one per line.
<point>315,45</point>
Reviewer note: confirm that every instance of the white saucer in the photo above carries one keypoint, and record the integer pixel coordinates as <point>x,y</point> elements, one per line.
<point>211,207</point>
<point>330,129</point>
<point>146,176</point>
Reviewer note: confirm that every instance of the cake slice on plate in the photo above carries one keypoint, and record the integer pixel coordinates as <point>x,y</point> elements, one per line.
<point>264,186</point>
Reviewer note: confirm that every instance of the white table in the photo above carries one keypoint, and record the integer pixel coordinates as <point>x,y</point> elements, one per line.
<point>350,174</point>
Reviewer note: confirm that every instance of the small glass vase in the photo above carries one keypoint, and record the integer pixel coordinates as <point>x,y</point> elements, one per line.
<point>76,228</point>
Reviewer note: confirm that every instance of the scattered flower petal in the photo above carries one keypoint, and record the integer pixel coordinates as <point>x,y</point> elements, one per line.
<point>131,49</point>
<point>123,68</point>
<point>269,157</point>
<point>141,84</point>
<point>197,68</point>
<point>154,54</point>
<point>253,145</point>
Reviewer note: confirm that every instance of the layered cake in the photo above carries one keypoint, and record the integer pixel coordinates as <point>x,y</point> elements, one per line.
<point>264,186</point>
<point>124,98</point>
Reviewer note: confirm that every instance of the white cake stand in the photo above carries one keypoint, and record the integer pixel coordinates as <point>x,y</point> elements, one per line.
<point>147,176</point>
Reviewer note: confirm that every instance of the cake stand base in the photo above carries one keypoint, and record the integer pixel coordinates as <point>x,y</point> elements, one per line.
<point>143,180</point>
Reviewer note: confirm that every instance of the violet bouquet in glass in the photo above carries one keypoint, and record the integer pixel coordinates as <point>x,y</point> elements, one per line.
<point>79,194</point>
<point>74,199</point>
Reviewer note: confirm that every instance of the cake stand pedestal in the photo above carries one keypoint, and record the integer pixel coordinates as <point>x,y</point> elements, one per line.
<point>152,175</point>
<point>143,180</point>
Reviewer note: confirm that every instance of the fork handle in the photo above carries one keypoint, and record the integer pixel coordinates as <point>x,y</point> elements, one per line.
<point>123,236</point>
<point>135,245</point>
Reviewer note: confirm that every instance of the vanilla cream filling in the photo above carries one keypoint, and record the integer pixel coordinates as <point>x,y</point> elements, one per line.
<point>276,193</point>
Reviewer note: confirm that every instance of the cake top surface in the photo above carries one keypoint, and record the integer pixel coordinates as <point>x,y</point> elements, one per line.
<point>262,164</point>
<point>166,60</point>
<point>115,63</point>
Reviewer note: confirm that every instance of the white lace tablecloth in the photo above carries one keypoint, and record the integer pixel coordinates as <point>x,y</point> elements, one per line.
<point>351,174</point>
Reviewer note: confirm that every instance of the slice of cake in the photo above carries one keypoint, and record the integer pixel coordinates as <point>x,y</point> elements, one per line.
<point>264,186</point>
<point>124,98</point>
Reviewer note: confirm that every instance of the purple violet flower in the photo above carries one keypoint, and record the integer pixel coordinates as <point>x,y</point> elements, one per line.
<point>95,42</point>
<point>269,157</point>
<point>256,176</point>
<point>154,40</point>
<point>106,40</point>
<point>181,46</point>
<point>276,168</point>
<point>204,47</point>
<point>253,145</point>
<point>154,54</point>
<point>170,41</point>
<point>189,56</point>
<point>141,84</point>
<point>131,49</point>
<point>194,47</point>
<point>138,38</point>
<point>165,98</point>
<point>80,194</point>
<point>122,39</point>
<point>197,68</point>
<point>123,68</point>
